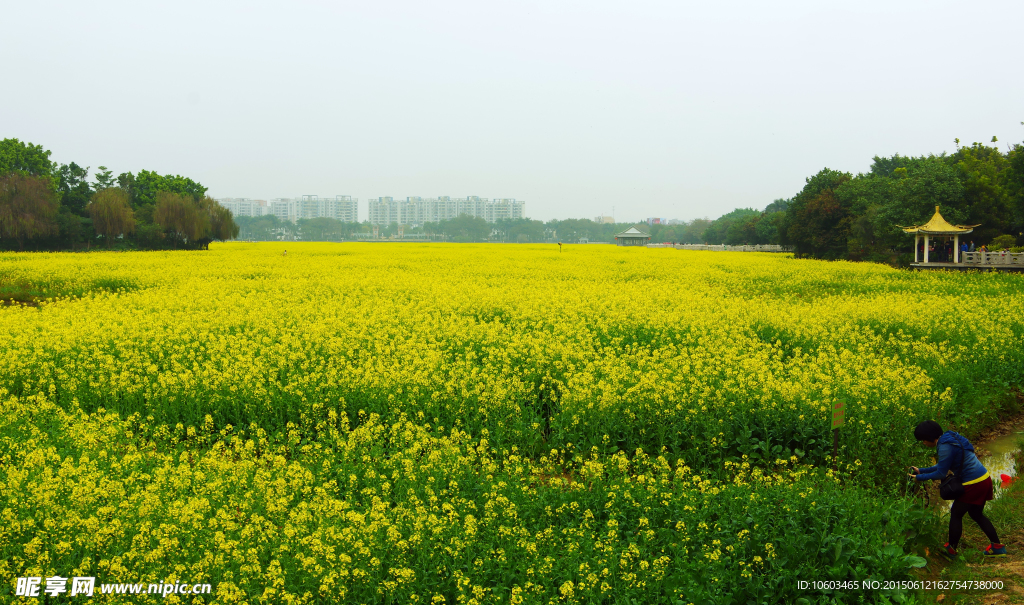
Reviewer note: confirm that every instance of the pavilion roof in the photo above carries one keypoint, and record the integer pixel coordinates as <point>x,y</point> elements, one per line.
<point>633,232</point>
<point>939,226</point>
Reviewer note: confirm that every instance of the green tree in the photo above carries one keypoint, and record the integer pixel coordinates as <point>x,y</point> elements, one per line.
<point>667,233</point>
<point>779,205</point>
<point>1015,188</point>
<point>518,230</point>
<point>325,229</point>
<point>147,184</point>
<point>1001,242</point>
<point>104,178</point>
<point>180,217</point>
<point>73,230</point>
<point>260,228</point>
<point>28,208</point>
<point>220,224</point>
<point>734,228</point>
<point>143,188</point>
<point>694,231</point>
<point>28,159</point>
<point>574,229</point>
<point>767,227</point>
<point>111,214</point>
<point>897,192</point>
<point>126,181</point>
<point>466,228</point>
<point>743,230</point>
<point>816,223</point>
<point>74,188</point>
<point>985,174</point>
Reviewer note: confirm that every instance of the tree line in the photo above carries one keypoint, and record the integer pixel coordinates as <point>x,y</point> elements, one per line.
<point>838,215</point>
<point>268,227</point>
<point>46,206</point>
<point>466,228</point>
<point>463,228</point>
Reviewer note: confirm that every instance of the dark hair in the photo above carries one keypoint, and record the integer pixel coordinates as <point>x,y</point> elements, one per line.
<point>929,430</point>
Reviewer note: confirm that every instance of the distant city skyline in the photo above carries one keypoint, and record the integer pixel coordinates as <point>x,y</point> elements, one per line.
<point>412,210</point>
<point>383,210</point>
<point>245,206</point>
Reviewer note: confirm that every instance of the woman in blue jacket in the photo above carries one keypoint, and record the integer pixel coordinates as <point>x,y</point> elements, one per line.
<point>955,452</point>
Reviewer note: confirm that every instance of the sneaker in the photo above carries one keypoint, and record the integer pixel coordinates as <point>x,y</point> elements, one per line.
<point>995,550</point>
<point>949,552</point>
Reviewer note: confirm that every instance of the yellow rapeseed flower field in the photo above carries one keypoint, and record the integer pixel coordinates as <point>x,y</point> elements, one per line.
<point>430,423</point>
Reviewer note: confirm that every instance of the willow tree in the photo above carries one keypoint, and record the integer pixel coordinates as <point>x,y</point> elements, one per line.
<point>28,207</point>
<point>111,213</point>
<point>222,224</point>
<point>181,217</point>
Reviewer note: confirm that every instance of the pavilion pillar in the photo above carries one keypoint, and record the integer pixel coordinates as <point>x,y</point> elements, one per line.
<point>917,240</point>
<point>956,248</point>
<point>926,248</point>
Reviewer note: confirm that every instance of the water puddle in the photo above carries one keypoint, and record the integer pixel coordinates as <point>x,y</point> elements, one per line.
<point>998,457</point>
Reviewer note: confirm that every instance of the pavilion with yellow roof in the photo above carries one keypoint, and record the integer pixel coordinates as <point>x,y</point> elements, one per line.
<point>937,229</point>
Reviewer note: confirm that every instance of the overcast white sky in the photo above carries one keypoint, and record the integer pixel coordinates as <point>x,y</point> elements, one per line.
<point>668,109</point>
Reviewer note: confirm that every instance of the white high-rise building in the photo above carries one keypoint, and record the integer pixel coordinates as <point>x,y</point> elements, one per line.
<point>283,208</point>
<point>340,207</point>
<point>383,211</point>
<point>308,206</point>
<point>241,206</point>
<point>505,208</point>
<point>418,210</point>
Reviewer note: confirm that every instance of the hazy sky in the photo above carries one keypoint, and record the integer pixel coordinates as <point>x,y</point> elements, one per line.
<point>666,109</point>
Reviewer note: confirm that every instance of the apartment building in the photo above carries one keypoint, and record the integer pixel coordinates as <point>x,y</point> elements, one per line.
<point>340,207</point>
<point>384,211</point>
<point>241,206</point>
<point>283,208</point>
<point>418,210</point>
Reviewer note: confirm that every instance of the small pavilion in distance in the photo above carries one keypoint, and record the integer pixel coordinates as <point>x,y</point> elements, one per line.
<point>632,237</point>
<point>937,230</point>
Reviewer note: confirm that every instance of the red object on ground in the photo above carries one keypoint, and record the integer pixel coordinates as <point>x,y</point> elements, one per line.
<point>1007,480</point>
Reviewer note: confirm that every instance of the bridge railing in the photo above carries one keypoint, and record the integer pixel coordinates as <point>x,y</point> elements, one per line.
<point>993,258</point>
<point>725,248</point>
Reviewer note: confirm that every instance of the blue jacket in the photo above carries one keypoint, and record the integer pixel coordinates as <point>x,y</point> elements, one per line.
<point>949,456</point>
